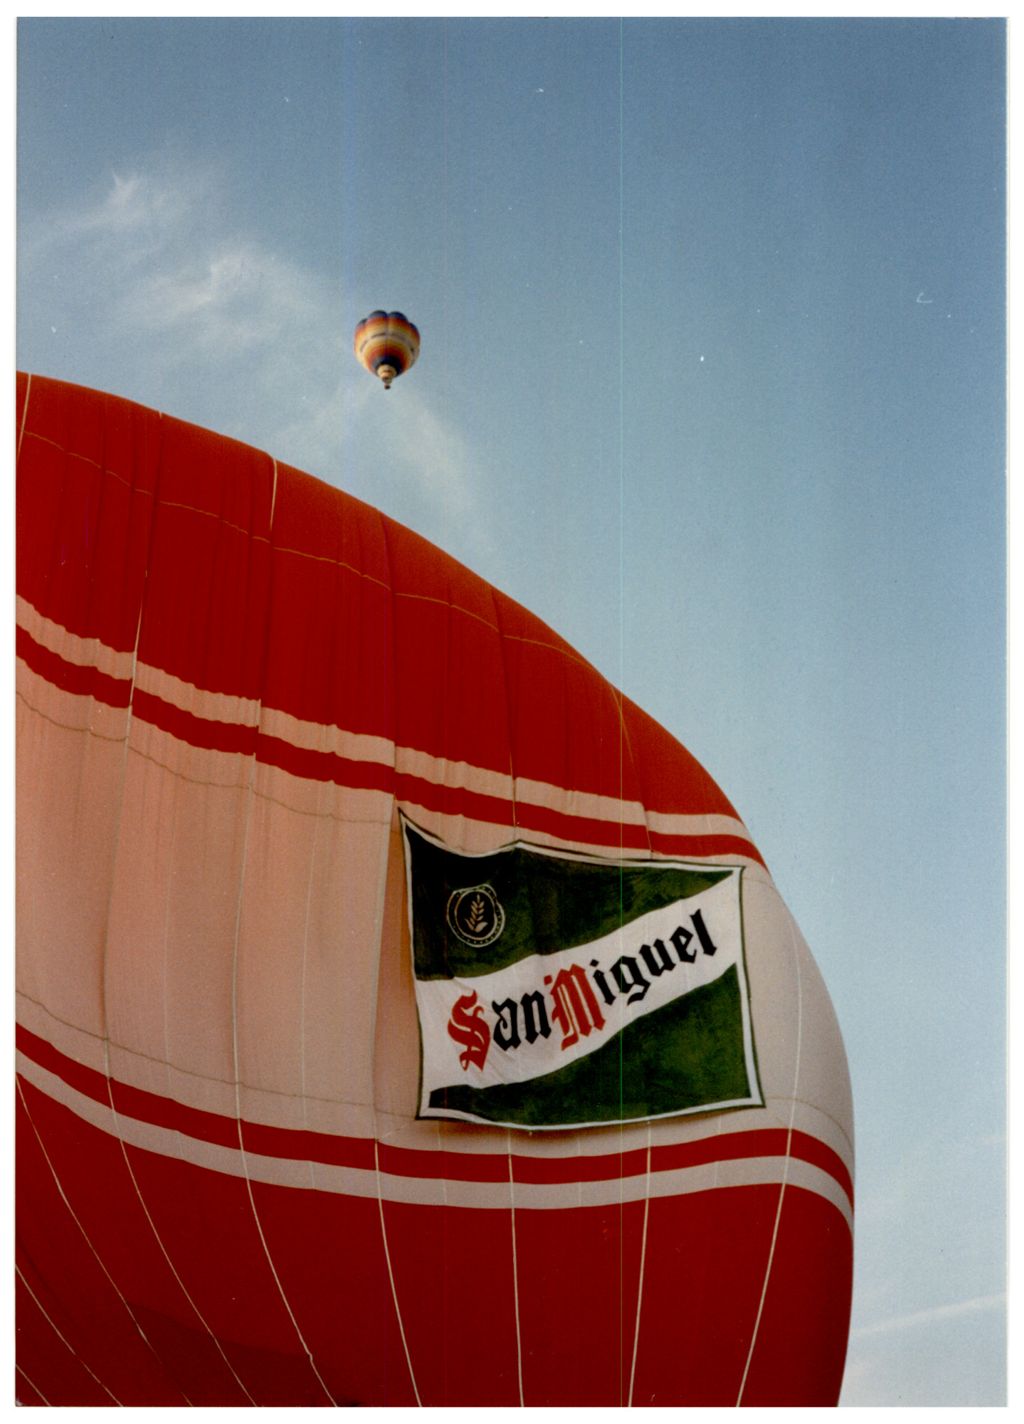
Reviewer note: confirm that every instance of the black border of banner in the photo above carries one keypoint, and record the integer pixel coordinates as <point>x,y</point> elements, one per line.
<point>757,1100</point>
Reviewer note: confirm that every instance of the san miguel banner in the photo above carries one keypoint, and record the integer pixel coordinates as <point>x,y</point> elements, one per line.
<point>557,990</point>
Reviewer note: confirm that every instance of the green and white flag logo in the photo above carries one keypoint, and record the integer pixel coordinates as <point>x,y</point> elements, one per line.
<point>557,990</point>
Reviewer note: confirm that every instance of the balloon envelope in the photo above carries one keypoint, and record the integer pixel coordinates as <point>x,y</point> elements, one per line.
<point>290,779</point>
<point>387,344</point>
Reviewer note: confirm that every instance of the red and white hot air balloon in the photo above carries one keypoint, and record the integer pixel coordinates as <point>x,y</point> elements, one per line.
<point>403,1015</point>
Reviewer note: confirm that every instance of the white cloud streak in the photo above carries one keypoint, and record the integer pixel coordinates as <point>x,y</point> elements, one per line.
<point>153,290</point>
<point>151,283</point>
<point>932,1315</point>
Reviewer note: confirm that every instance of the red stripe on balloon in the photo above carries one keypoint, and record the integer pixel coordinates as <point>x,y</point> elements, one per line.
<point>72,677</point>
<point>577,1276</point>
<point>88,1313</point>
<point>101,1207</point>
<point>299,1145</point>
<point>233,738</point>
<point>117,504</point>
<point>302,1145</point>
<point>83,1079</point>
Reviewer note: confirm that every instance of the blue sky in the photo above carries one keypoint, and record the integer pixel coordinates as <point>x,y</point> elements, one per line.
<point>711,380</point>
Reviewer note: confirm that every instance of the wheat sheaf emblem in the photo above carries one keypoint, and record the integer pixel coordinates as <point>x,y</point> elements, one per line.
<point>475,914</point>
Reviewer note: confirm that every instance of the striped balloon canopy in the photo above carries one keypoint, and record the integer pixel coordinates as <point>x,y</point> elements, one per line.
<point>387,344</point>
<point>403,1016</point>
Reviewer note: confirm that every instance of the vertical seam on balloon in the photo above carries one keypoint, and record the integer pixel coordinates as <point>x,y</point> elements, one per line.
<point>393,649</point>
<point>106,938</point>
<point>63,1338</point>
<point>277,1280</point>
<point>379,921</point>
<point>499,630</point>
<point>249,797</point>
<point>643,1263</point>
<point>502,641</point>
<point>786,1160</point>
<point>85,1236</point>
<point>166,1254</point>
<point>391,1274</point>
<point>153,1227</point>
<point>24,416</point>
<point>103,977</point>
<point>515,823</point>
<point>124,771</point>
<point>515,1271</point>
<point>305,957</point>
<point>273,502</point>
<point>165,1015</point>
<point>105,948</point>
<point>31,1384</point>
<point>309,890</point>
<point>625,742</point>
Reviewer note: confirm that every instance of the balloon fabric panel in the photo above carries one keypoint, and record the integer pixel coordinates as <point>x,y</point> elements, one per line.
<point>387,344</point>
<point>232,681</point>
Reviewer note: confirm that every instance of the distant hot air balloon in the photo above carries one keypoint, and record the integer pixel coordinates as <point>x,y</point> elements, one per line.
<point>403,1015</point>
<point>387,344</point>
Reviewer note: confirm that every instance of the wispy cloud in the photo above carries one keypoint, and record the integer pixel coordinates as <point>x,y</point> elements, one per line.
<point>149,281</point>
<point>430,446</point>
<point>932,1314</point>
<point>131,204</point>
<point>153,289</point>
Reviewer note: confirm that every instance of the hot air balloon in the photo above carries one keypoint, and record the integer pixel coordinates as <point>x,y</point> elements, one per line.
<point>403,1016</point>
<point>387,344</point>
